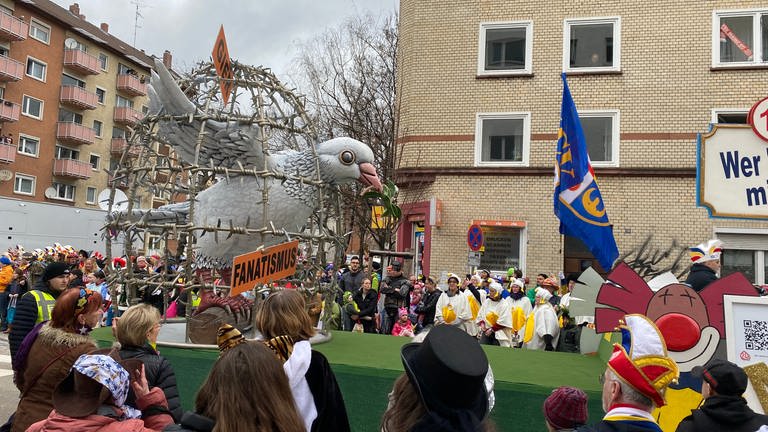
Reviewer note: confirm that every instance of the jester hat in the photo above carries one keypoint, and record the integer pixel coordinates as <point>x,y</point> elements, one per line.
<point>641,360</point>
<point>707,251</point>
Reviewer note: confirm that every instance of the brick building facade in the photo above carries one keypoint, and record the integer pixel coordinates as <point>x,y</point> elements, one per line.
<point>480,94</point>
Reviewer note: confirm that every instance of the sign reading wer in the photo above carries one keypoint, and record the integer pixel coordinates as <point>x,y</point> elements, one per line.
<point>223,65</point>
<point>733,172</point>
<point>263,266</point>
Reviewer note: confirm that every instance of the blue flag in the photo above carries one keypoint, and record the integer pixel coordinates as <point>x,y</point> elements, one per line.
<point>578,202</point>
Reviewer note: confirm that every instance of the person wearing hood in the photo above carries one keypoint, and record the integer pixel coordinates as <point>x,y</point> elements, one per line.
<point>724,408</point>
<point>546,326</point>
<point>286,328</point>
<point>495,318</point>
<point>518,301</point>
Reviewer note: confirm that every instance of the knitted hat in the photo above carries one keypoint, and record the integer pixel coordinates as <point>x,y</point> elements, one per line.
<point>55,269</point>
<point>4,260</point>
<point>641,360</point>
<point>402,311</point>
<point>707,251</point>
<point>566,408</point>
<point>724,377</point>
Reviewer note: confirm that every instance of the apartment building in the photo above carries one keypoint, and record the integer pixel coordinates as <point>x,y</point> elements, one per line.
<point>71,92</point>
<point>480,95</point>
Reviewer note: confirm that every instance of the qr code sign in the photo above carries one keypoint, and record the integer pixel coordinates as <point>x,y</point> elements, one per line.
<point>756,335</point>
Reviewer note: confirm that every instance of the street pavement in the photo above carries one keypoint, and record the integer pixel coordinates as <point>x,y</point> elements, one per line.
<point>9,395</point>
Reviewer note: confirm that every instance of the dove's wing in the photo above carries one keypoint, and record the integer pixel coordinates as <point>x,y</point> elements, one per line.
<point>223,143</point>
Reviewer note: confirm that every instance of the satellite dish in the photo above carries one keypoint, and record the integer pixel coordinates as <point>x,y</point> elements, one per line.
<point>5,175</point>
<point>50,192</point>
<point>71,43</point>
<point>120,204</point>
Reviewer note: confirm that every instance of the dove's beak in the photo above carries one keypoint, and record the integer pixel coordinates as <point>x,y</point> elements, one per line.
<point>369,176</point>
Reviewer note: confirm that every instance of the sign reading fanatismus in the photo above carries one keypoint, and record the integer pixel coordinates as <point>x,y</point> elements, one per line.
<point>267,265</point>
<point>733,172</point>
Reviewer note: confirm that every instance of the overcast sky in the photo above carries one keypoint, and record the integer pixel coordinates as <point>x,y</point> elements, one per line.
<point>259,32</point>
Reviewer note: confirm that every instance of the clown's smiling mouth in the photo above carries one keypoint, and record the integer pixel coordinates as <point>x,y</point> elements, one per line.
<point>700,353</point>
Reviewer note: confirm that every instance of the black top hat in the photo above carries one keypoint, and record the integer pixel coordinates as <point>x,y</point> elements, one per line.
<point>448,370</point>
<point>724,377</point>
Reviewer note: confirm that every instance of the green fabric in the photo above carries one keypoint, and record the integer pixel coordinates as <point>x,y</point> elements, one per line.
<point>366,366</point>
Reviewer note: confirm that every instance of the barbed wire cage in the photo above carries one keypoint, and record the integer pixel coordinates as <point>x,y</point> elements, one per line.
<point>145,167</point>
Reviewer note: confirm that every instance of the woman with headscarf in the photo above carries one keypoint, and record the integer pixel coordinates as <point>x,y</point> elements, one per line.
<point>495,318</point>
<point>520,308</point>
<point>47,353</point>
<point>546,325</point>
<point>286,327</point>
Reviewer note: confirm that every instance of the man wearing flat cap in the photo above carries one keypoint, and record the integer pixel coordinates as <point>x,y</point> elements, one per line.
<point>397,289</point>
<point>36,305</point>
<point>724,409</point>
<point>638,374</point>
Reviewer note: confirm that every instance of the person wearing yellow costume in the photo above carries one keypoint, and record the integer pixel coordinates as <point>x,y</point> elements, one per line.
<point>495,318</point>
<point>452,306</point>
<point>475,298</point>
<point>518,300</point>
<point>546,328</point>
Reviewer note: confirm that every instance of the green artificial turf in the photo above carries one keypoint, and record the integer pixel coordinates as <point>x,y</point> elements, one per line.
<point>367,365</point>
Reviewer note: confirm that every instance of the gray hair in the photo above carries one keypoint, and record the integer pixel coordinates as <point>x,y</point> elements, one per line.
<point>629,394</point>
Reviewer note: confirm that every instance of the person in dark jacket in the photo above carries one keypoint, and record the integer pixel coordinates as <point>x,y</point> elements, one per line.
<point>351,281</point>
<point>724,409</point>
<point>428,302</point>
<point>706,264</point>
<point>137,334</point>
<point>36,305</point>
<point>366,299</point>
<point>398,294</point>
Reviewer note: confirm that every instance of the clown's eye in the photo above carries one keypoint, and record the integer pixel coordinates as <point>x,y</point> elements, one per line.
<point>347,157</point>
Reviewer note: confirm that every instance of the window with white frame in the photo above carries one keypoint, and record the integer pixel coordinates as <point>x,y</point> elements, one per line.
<point>123,102</point>
<point>101,95</point>
<point>103,61</point>
<point>502,139</point>
<point>39,31</point>
<point>729,115</point>
<point>505,48</point>
<point>66,153</point>
<point>747,253</point>
<point>592,45</point>
<point>740,38</point>
<point>97,127</point>
<point>601,130</point>
<point>32,107</point>
<point>28,145</point>
<point>95,161</point>
<point>24,184</point>
<point>36,69</point>
<point>90,195</point>
<point>64,191</point>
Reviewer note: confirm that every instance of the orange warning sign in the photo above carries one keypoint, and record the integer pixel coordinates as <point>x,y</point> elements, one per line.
<point>223,65</point>
<point>266,265</point>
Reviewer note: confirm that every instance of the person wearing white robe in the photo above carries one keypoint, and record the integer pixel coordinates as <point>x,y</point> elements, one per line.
<point>546,326</point>
<point>518,300</point>
<point>495,318</point>
<point>452,306</point>
<point>474,306</point>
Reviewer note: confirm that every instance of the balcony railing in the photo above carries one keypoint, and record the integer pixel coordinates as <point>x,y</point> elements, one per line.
<point>126,115</point>
<point>81,61</point>
<point>10,69</point>
<point>78,97</point>
<point>119,145</point>
<point>12,29</point>
<point>131,84</point>
<point>7,153</point>
<point>75,133</point>
<point>9,111</point>
<point>72,168</point>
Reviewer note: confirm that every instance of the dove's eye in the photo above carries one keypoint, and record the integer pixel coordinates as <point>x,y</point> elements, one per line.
<point>347,157</point>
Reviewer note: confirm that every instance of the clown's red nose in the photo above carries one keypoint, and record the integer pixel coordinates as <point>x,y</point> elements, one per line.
<point>680,332</point>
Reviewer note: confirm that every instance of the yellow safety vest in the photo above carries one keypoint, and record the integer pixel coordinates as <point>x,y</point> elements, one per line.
<point>195,299</point>
<point>45,303</point>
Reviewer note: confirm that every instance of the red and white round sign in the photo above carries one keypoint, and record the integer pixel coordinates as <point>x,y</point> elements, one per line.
<point>758,118</point>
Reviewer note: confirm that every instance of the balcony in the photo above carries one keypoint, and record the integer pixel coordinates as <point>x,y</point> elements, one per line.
<point>9,111</point>
<point>78,97</point>
<point>131,84</point>
<point>127,116</point>
<point>12,29</point>
<point>119,145</point>
<point>10,69</point>
<point>7,153</point>
<point>81,61</point>
<point>74,133</point>
<point>72,168</point>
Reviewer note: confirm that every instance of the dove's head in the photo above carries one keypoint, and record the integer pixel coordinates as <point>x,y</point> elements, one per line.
<point>344,160</point>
